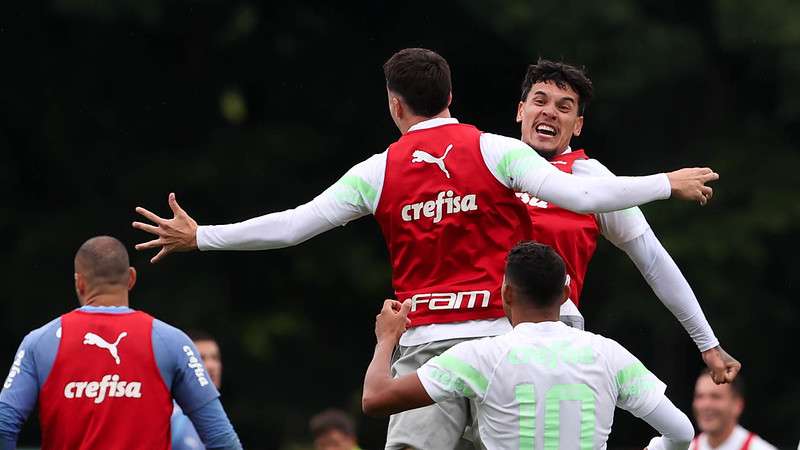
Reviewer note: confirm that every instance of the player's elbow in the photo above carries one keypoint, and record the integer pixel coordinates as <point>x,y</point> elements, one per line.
<point>679,435</point>
<point>683,437</point>
<point>375,404</point>
<point>371,405</point>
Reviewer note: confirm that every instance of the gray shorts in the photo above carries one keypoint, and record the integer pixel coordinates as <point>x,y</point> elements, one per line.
<point>438,426</point>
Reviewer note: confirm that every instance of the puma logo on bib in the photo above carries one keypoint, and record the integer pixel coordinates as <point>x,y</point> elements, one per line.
<point>93,339</point>
<point>425,157</point>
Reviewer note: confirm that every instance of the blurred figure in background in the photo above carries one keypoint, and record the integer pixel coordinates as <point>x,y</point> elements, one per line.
<point>184,435</point>
<point>717,409</point>
<point>334,429</point>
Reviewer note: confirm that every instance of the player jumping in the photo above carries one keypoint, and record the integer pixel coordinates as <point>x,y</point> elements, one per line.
<point>443,195</point>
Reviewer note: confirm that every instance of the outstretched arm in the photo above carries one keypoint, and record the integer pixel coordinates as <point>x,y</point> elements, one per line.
<point>521,169</point>
<point>384,395</point>
<point>671,287</point>
<point>629,231</point>
<point>354,195</point>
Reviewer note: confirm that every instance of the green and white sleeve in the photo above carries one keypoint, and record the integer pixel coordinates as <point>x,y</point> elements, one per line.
<point>638,390</point>
<point>455,373</point>
<point>355,195</point>
<point>521,169</point>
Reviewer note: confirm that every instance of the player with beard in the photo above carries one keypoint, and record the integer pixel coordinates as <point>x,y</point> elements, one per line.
<point>551,111</point>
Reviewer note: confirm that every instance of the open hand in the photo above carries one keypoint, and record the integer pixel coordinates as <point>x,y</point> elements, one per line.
<point>178,234</point>
<point>723,366</point>
<point>392,321</point>
<point>690,184</point>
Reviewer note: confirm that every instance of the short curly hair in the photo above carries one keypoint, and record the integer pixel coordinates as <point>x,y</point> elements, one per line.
<point>562,75</point>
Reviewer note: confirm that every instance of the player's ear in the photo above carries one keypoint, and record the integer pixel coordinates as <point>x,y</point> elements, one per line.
<point>80,284</point>
<point>449,98</point>
<point>131,277</point>
<point>506,293</point>
<point>565,291</point>
<point>519,111</point>
<point>738,406</point>
<point>578,126</point>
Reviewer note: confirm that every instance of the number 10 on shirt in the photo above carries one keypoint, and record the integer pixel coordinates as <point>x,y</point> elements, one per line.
<point>526,397</point>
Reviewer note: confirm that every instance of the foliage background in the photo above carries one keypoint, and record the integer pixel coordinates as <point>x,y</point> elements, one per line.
<point>245,107</point>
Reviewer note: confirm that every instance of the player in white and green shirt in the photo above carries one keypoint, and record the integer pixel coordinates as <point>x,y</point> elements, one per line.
<point>543,385</point>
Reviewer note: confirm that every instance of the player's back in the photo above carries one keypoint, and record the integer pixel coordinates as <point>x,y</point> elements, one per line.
<point>448,223</point>
<point>105,379</point>
<point>546,385</point>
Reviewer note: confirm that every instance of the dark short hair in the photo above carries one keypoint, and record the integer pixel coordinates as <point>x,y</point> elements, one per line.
<point>421,77</point>
<point>737,385</point>
<point>103,260</point>
<point>332,419</point>
<point>536,272</point>
<point>562,75</point>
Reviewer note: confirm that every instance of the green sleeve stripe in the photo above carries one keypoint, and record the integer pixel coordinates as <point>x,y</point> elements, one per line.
<point>630,373</point>
<point>522,159</point>
<point>463,371</point>
<point>349,185</point>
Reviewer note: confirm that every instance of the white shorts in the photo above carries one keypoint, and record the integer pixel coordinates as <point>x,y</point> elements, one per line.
<point>438,426</point>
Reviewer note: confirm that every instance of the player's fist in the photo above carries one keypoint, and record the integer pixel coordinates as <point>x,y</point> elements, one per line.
<point>178,234</point>
<point>392,321</point>
<point>690,184</point>
<point>723,366</point>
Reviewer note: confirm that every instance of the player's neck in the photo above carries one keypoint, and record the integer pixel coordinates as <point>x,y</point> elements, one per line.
<point>551,155</point>
<point>718,438</point>
<point>522,315</point>
<point>413,120</point>
<point>107,299</point>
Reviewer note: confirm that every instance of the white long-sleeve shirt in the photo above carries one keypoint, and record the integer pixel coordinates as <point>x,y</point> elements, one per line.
<point>358,192</point>
<point>629,231</point>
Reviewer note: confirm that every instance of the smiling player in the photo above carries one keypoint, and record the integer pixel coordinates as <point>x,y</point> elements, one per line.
<point>551,111</point>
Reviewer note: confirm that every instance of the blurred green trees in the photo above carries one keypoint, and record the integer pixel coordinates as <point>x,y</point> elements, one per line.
<point>244,108</point>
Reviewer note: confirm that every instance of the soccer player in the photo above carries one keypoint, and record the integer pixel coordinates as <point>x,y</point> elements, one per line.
<point>443,195</point>
<point>333,429</point>
<point>543,385</point>
<point>716,411</point>
<point>551,111</point>
<point>184,435</point>
<point>104,374</point>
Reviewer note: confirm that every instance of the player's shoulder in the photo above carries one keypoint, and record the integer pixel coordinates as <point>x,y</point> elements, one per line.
<point>590,167</point>
<point>50,330</point>
<point>759,443</point>
<point>498,141</point>
<point>484,350</point>
<point>605,347</point>
<point>169,334</point>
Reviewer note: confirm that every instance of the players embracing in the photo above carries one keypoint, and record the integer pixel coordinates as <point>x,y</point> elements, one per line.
<point>444,197</point>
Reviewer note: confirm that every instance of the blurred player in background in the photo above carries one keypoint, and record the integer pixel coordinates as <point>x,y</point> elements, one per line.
<point>105,375</point>
<point>717,410</point>
<point>551,111</point>
<point>543,385</point>
<point>184,435</point>
<point>443,195</point>
<point>334,429</point>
